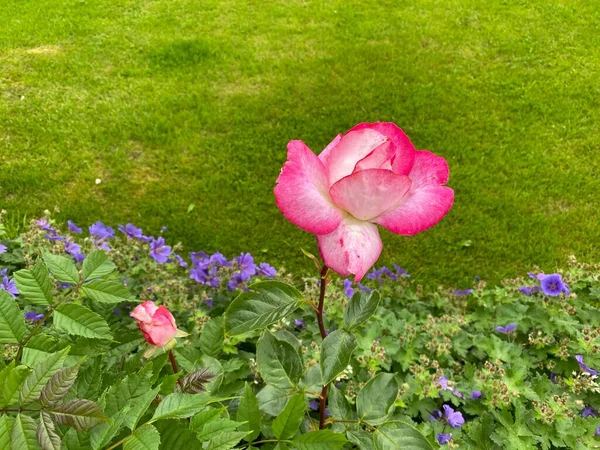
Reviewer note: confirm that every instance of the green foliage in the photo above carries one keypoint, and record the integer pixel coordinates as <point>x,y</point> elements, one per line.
<point>336,352</point>
<point>287,423</point>
<point>35,284</point>
<point>12,324</point>
<point>80,321</point>
<point>361,308</point>
<point>278,362</point>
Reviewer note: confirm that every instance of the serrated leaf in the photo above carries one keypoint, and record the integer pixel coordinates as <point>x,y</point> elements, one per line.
<point>79,413</point>
<point>127,389</point>
<point>58,385</point>
<point>176,436</point>
<point>46,433</point>
<point>80,321</point>
<point>196,382</point>
<point>248,412</point>
<point>42,372</point>
<point>61,268</point>
<point>11,380</point>
<point>35,285</point>
<point>336,351</point>
<point>340,409</point>
<point>12,322</point>
<point>266,303</point>
<point>204,417</point>
<point>360,308</point>
<point>278,362</point>
<point>89,381</point>
<point>145,437</point>
<point>6,424</point>
<point>139,407</point>
<point>38,348</point>
<point>212,337</point>
<point>320,440</point>
<point>23,434</point>
<point>360,438</point>
<point>400,435</point>
<point>179,405</point>
<point>106,291</point>
<point>213,429</point>
<point>271,400</point>
<point>97,265</point>
<point>74,440</point>
<point>287,423</point>
<point>375,401</point>
<point>101,435</point>
<point>226,441</point>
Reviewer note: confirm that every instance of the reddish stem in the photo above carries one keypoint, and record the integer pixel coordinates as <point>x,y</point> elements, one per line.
<point>319,312</point>
<point>174,365</point>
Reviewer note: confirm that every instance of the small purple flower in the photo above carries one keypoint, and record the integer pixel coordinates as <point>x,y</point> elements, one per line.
<point>45,225</point>
<point>364,288</point>
<point>131,231</point>
<point>8,285</point>
<point>299,323</point>
<point>181,261</point>
<point>589,412</point>
<point>526,290</point>
<point>100,231</point>
<point>454,418</point>
<point>314,405</point>
<point>583,366</point>
<point>401,271</point>
<point>510,328</point>
<point>159,251</point>
<point>475,394</point>
<point>539,277</point>
<point>444,383</point>
<point>209,302</point>
<point>74,250</point>
<point>348,290</point>
<point>597,432</point>
<point>32,316</point>
<point>443,438</point>
<point>435,415</point>
<point>553,285</point>
<point>463,293</point>
<point>267,270</point>
<point>246,265</point>
<point>553,377</point>
<point>218,259</point>
<point>3,248</point>
<point>74,228</point>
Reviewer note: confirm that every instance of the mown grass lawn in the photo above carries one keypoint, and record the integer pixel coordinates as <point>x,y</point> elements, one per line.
<point>173,102</point>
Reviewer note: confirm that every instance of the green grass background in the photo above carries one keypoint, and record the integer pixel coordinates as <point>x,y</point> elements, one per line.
<point>173,102</point>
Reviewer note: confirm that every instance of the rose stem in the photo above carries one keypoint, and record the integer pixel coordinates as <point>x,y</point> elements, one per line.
<point>319,313</point>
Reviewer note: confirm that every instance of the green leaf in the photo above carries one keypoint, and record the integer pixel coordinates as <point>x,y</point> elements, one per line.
<point>145,437</point>
<point>360,308</point>
<point>360,438</point>
<point>271,400</point>
<point>35,285</point>
<point>62,268</point>
<point>79,413</point>
<point>336,352</point>
<point>97,265</point>
<point>375,401</point>
<point>58,385</point>
<point>42,371</point>
<point>287,423</point>
<point>204,417</point>
<point>400,435</point>
<point>320,440</point>
<point>212,337</point>
<point>23,434</point>
<point>11,379</point>
<point>139,407</point>
<point>226,441</point>
<point>12,322</point>
<point>175,435</point>
<point>101,435</point>
<point>80,321</point>
<point>38,348</point>
<point>73,440</point>
<point>266,303</point>
<point>46,433</point>
<point>6,424</point>
<point>213,429</point>
<point>179,405</point>
<point>106,291</point>
<point>248,412</point>
<point>278,362</point>
<point>338,405</point>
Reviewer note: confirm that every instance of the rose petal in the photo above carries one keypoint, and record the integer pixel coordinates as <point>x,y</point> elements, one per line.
<point>324,155</point>
<point>352,248</point>
<point>370,193</point>
<point>426,203</point>
<point>405,150</point>
<point>144,311</point>
<point>302,192</point>
<point>354,146</point>
<point>380,158</point>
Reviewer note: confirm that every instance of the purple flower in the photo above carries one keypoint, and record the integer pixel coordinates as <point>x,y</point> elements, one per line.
<point>267,270</point>
<point>553,377</point>
<point>314,405</point>
<point>218,259</point>
<point>435,415</point>
<point>597,432</point>
<point>401,271</point>
<point>131,231</point>
<point>45,225</point>
<point>348,288</point>
<point>74,250</point>
<point>527,290</point>
<point>583,366</point>
<point>539,277</point>
<point>299,323</point>
<point>3,248</point>
<point>444,383</point>
<point>8,285</point>
<point>589,412</point>
<point>364,288</point>
<point>454,418</point>
<point>100,231</point>
<point>209,302</point>
<point>159,251</point>
<point>463,293</point>
<point>246,265</point>
<point>475,394</point>
<point>74,228</point>
<point>443,438</point>
<point>553,285</point>
<point>32,316</point>
<point>181,261</point>
<point>510,328</point>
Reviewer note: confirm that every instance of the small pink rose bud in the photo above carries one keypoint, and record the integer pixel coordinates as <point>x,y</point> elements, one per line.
<point>156,323</point>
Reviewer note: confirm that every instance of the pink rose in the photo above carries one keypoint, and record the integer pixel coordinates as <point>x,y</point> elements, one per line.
<point>371,175</point>
<point>156,323</point>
